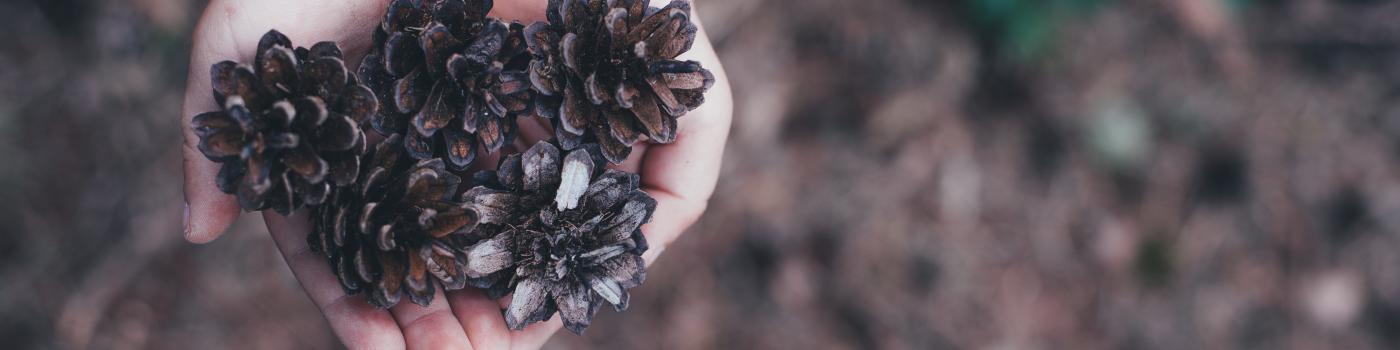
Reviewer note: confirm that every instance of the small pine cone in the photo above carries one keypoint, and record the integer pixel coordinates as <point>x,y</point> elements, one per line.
<point>399,230</point>
<point>289,127</point>
<point>450,78</point>
<point>608,70</point>
<point>564,235</point>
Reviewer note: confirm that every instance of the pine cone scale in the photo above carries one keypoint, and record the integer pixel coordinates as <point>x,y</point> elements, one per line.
<point>436,114</point>
<point>526,304</point>
<point>461,149</point>
<point>278,69</point>
<point>220,136</point>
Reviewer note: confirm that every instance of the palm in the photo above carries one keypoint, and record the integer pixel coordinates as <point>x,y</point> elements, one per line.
<point>680,176</point>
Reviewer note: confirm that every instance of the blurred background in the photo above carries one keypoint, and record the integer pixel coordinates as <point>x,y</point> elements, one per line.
<point>902,174</point>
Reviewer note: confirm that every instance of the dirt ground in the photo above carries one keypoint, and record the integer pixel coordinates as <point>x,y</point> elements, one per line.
<point>902,174</point>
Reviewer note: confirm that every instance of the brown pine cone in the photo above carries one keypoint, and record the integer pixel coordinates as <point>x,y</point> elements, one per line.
<point>289,127</point>
<point>563,235</point>
<point>607,69</point>
<point>450,78</point>
<point>399,230</point>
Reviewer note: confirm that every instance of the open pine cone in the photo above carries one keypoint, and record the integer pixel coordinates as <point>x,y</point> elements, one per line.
<point>289,125</point>
<point>567,235</point>
<point>449,78</point>
<point>608,69</point>
<point>398,230</point>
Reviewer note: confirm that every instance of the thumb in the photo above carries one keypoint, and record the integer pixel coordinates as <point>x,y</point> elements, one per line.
<point>208,211</point>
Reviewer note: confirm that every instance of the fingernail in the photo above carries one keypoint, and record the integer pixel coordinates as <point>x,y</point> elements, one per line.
<point>186,220</point>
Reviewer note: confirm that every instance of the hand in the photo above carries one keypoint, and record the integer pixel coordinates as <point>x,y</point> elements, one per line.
<point>681,175</point>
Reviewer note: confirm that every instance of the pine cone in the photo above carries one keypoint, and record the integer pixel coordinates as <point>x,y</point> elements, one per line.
<point>608,69</point>
<point>450,78</point>
<point>289,127</point>
<point>398,230</point>
<point>567,235</point>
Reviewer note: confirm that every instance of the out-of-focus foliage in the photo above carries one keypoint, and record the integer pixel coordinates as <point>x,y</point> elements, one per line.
<point>1024,28</point>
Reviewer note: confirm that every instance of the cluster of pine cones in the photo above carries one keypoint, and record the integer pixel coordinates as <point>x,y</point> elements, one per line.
<point>443,82</point>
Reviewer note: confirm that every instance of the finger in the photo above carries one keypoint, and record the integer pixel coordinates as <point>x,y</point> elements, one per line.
<point>525,11</point>
<point>682,175</point>
<point>481,318</point>
<point>533,130</point>
<point>354,321</point>
<point>485,161</point>
<point>430,327</point>
<point>350,25</point>
<point>515,146</point>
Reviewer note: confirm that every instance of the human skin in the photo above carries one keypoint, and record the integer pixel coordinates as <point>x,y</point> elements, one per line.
<point>680,175</point>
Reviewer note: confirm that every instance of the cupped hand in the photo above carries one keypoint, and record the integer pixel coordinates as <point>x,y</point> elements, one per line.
<point>680,175</point>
